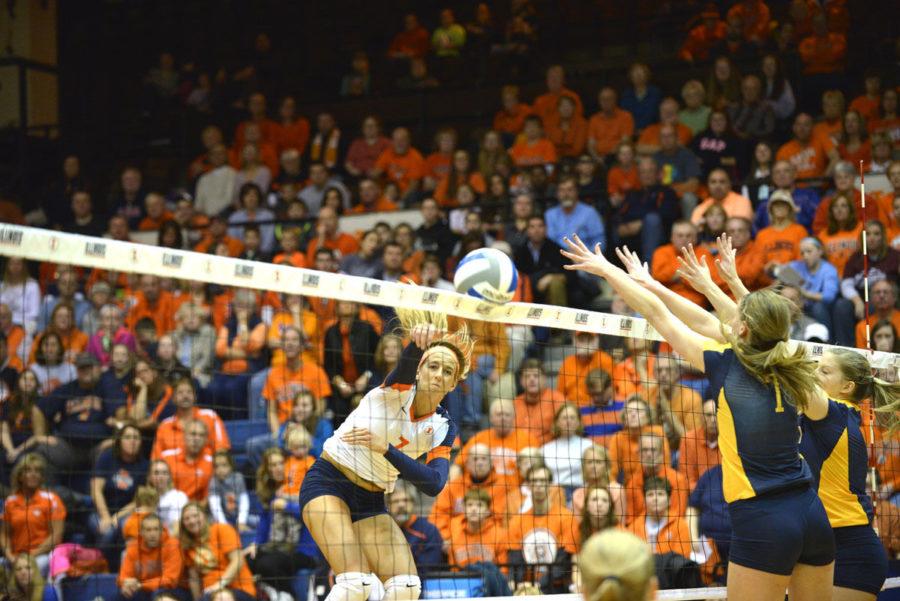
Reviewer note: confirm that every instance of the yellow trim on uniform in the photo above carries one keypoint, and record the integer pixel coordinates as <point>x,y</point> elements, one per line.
<point>841,505</point>
<point>735,484</point>
<point>715,346</point>
<point>779,407</point>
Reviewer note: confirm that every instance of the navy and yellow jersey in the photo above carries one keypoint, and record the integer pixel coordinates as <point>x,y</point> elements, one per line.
<point>759,431</point>
<point>835,450</point>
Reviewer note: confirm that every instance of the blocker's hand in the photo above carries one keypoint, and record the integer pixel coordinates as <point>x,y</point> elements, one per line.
<point>726,259</point>
<point>694,271</point>
<point>424,334</point>
<point>366,438</point>
<point>637,270</point>
<point>583,259</point>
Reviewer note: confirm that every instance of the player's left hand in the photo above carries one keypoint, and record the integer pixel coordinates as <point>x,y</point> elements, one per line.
<point>424,334</point>
<point>366,438</point>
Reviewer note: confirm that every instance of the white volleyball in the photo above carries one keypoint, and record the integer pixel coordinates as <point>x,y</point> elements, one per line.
<point>488,274</point>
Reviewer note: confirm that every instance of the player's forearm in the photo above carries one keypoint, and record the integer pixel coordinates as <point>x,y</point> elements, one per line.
<point>428,478</point>
<point>702,321</point>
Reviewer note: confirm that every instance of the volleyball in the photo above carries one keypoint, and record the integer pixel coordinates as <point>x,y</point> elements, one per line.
<point>487,274</point>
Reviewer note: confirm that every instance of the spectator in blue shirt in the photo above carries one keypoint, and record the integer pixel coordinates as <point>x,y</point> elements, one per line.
<point>641,99</point>
<point>784,177</point>
<point>821,283</point>
<point>423,537</point>
<point>572,216</point>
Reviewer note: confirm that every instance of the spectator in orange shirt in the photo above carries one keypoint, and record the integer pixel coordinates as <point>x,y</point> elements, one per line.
<point>841,239</point>
<point>437,164</point>
<point>478,474</point>
<point>401,164</point>
<point>503,439</point>
<point>151,565</point>
<point>558,529</point>
<point>699,449</point>
<point>844,184</point>
<point>365,150</point>
<point>748,260</point>
<point>829,128</point>
<point>623,177</point>
<point>328,237</point>
<point>256,106</point>
<point>170,434</point>
<point>155,212</point>
<point>568,130</point>
<point>812,157</point>
<point>868,105</point>
<point>546,106</point>
<point>153,302</point>
<point>460,173</point>
<point>211,552</point>
<point>412,42</point>
<point>624,446</point>
<point>218,234</point>
<point>191,467</point>
<point>679,406</point>
<point>239,348</point>
<point>537,404</point>
<point>478,542</point>
<point>779,243</point>
<point>572,379</point>
<point>608,127</point>
<point>534,148</point>
<point>884,301</point>
<point>649,141</point>
<point>510,119</point>
<point>266,154</point>
<point>822,52</point>
<point>291,131</point>
<point>720,193</point>
<point>661,524</point>
<point>371,200</point>
<point>704,36</point>
<point>754,15</point>
<point>33,517</point>
<point>664,265</point>
<point>654,463</point>
<point>854,145</point>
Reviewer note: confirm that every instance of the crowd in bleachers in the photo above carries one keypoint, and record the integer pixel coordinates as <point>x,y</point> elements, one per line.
<point>122,392</point>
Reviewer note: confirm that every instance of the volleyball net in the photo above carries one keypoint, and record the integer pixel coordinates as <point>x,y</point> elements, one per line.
<point>571,421</point>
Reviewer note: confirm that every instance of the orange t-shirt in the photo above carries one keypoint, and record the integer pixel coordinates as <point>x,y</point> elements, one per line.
<point>441,194</point>
<point>841,246</point>
<point>190,477</point>
<point>780,246</point>
<point>235,246</point>
<point>504,449</point>
<point>624,451</point>
<point>267,128</point>
<point>823,54</point>
<point>700,41</point>
<point>283,384</point>
<point>344,244</point>
<point>873,319</point>
<point>210,558</point>
<point>891,127</point>
<point>673,537</point>
<point>539,152</point>
<point>622,181</point>
<point>820,219</point>
<point>559,524</point>
<point>295,469</point>
<point>571,381</point>
<point>284,319</point>
<point>569,141</point>
<point>382,205</point>
<point>29,520</point>
<point>810,160</point>
<point>537,418</point>
<point>862,153</point>
<point>650,135</point>
<point>828,132</point>
<point>402,169</point>
<point>755,19</point>
<point>255,343</point>
<point>608,132</point>
<point>437,165</point>
<point>148,224</point>
<point>511,122</point>
<point>634,492</point>
<point>170,433</point>
<point>162,312</point>
<point>294,135</point>
<point>450,503</point>
<point>749,263</point>
<point>295,258</point>
<point>627,381</point>
<point>153,568</point>
<point>696,456</point>
<point>487,545</point>
<point>664,265</point>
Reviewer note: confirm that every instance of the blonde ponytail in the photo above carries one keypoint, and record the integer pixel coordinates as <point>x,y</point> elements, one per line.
<point>616,565</point>
<point>885,395</point>
<point>886,399</point>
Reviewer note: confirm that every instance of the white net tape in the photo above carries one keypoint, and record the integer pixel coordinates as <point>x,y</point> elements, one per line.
<point>58,247</point>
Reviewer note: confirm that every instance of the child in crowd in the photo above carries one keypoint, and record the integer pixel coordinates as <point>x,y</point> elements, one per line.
<point>229,502</point>
<point>146,500</point>
<point>298,443</point>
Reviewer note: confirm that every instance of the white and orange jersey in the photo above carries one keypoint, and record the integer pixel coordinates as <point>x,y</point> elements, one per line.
<point>387,412</point>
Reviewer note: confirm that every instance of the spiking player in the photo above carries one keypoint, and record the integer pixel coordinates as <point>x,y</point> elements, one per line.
<point>342,497</point>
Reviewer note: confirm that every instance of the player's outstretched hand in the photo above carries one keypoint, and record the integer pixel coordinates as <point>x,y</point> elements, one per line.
<point>366,438</point>
<point>694,271</point>
<point>637,270</point>
<point>726,259</point>
<point>583,259</point>
<point>424,334</point>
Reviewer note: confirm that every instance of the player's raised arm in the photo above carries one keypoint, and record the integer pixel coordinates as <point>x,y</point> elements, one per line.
<point>688,343</point>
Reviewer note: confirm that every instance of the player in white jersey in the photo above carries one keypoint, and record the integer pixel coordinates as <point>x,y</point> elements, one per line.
<point>342,497</point>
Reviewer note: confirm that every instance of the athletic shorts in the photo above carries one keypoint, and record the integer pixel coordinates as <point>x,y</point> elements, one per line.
<point>860,562</point>
<point>775,531</point>
<point>323,479</point>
